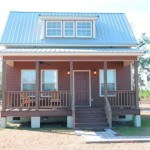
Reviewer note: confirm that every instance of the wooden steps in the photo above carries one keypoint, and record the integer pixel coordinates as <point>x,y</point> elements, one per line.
<point>90,118</point>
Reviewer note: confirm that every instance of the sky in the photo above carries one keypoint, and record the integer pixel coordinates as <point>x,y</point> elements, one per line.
<point>137,11</point>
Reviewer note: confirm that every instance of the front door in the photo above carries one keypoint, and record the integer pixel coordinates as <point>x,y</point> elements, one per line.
<point>81,87</point>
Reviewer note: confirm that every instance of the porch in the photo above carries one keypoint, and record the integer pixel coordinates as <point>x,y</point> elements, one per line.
<point>62,102</point>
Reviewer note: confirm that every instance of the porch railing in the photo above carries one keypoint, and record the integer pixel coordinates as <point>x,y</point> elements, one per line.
<point>122,99</point>
<point>46,99</point>
<point>108,112</point>
<point>54,99</point>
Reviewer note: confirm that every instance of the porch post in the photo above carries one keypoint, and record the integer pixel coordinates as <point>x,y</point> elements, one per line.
<point>136,84</point>
<point>3,84</point>
<point>105,79</point>
<point>71,93</point>
<point>37,83</point>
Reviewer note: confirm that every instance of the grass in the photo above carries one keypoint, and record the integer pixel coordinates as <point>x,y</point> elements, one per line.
<point>144,94</point>
<point>130,130</point>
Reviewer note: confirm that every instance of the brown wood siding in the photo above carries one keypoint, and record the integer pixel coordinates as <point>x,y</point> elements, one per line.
<point>13,81</point>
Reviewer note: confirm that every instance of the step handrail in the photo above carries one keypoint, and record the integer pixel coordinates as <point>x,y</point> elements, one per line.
<point>108,112</point>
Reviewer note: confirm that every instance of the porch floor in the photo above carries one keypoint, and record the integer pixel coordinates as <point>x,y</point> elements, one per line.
<point>33,112</point>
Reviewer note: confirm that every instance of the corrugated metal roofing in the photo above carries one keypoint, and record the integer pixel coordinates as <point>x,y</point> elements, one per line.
<point>70,51</point>
<point>25,28</point>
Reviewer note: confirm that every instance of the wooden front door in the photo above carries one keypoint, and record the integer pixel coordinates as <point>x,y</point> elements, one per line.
<point>81,87</point>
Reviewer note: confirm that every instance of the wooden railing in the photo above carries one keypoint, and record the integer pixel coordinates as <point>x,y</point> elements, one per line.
<point>122,99</point>
<point>54,99</point>
<point>108,112</point>
<point>46,99</point>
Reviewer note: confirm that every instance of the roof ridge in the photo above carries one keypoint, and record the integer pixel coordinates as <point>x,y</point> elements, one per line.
<point>67,12</point>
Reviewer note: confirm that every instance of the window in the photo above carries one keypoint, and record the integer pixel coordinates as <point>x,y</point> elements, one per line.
<point>84,29</point>
<point>111,80</point>
<point>53,28</point>
<point>28,80</point>
<point>49,80</point>
<point>68,29</point>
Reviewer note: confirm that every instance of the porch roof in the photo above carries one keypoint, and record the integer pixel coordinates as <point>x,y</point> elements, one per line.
<point>70,51</point>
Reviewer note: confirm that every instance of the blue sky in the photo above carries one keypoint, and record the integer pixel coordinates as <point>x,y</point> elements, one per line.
<point>137,11</point>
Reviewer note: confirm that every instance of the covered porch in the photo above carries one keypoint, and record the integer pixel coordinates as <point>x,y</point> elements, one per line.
<point>62,102</point>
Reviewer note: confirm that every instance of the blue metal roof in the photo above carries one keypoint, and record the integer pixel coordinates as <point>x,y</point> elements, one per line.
<point>71,50</point>
<point>23,28</point>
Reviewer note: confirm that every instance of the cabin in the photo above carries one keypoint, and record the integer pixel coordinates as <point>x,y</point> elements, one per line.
<point>71,65</point>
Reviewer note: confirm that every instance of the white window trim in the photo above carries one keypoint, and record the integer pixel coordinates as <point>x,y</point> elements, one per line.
<point>54,28</point>
<point>90,29</point>
<point>73,29</point>
<point>114,70</point>
<point>49,70</point>
<point>22,74</point>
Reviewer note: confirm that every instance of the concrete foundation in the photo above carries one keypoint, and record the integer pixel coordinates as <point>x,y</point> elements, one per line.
<point>123,119</point>
<point>35,122</point>
<point>3,122</point>
<point>137,121</point>
<point>69,122</point>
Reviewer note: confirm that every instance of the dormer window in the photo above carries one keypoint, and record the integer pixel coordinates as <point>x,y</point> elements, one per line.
<point>70,29</point>
<point>53,29</point>
<point>83,29</point>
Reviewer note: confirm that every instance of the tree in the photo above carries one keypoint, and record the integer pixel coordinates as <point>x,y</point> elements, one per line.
<point>144,62</point>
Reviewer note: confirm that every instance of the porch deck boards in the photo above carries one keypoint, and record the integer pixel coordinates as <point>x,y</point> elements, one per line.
<point>34,112</point>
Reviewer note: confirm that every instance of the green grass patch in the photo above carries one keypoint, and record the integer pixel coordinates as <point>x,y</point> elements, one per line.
<point>144,94</point>
<point>130,130</point>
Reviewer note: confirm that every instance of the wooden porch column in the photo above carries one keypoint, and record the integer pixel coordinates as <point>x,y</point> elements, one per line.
<point>3,85</point>
<point>37,84</point>
<point>71,93</point>
<point>136,83</point>
<point>105,79</point>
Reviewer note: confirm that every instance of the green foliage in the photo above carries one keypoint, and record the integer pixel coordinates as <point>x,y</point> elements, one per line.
<point>144,94</point>
<point>144,40</point>
<point>144,62</point>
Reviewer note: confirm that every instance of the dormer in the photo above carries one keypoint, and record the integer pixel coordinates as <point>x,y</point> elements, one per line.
<point>68,27</point>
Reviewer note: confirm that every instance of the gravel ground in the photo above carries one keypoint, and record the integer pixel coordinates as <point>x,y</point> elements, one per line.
<point>11,139</point>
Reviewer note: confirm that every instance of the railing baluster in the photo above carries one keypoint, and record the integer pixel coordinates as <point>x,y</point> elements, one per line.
<point>122,98</point>
<point>26,99</point>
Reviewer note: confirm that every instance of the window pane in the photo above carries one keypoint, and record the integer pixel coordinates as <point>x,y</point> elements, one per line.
<point>110,76</point>
<point>111,81</point>
<point>28,76</point>
<point>102,89</point>
<point>69,28</point>
<point>49,76</point>
<point>49,87</point>
<point>49,80</point>
<point>28,87</point>
<point>54,28</point>
<point>111,86</point>
<point>84,29</point>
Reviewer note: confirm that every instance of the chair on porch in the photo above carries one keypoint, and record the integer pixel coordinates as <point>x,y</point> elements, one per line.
<point>27,100</point>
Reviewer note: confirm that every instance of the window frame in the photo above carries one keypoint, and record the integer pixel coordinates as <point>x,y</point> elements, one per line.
<point>54,28</point>
<point>42,70</point>
<point>74,29</point>
<point>22,70</point>
<point>91,29</point>
<point>114,70</point>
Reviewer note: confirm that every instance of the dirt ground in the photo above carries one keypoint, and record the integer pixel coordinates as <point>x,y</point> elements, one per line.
<point>11,139</point>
